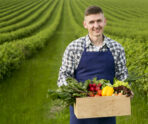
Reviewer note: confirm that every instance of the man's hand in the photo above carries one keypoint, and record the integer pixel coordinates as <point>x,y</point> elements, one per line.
<point>132,95</point>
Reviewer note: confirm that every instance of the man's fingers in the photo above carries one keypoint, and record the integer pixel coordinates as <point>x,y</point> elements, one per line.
<point>130,95</point>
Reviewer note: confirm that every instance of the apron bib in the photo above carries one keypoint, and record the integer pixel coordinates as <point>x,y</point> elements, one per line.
<point>94,64</point>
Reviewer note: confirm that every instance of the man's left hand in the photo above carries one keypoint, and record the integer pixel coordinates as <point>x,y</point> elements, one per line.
<point>132,95</point>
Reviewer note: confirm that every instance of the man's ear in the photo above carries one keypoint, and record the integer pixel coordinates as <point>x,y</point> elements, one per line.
<point>84,24</point>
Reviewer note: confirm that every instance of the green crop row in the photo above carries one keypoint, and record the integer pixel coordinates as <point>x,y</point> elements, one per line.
<point>76,12</point>
<point>15,8</point>
<point>9,5</point>
<point>27,31</point>
<point>12,53</point>
<point>22,21</point>
<point>117,10</point>
<point>128,33</point>
<point>72,19</point>
<point>18,12</point>
<point>123,9</point>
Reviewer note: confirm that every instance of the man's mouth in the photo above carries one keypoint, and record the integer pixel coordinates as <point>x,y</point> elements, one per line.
<point>97,30</point>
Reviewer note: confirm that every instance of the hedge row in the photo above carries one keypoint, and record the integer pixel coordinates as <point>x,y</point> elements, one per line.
<point>24,19</point>
<point>11,9</point>
<point>28,30</point>
<point>18,12</point>
<point>13,53</point>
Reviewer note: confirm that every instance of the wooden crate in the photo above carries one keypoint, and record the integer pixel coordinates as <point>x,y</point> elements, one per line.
<point>103,106</point>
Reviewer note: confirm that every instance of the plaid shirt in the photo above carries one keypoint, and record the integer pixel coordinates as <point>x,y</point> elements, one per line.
<point>74,50</point>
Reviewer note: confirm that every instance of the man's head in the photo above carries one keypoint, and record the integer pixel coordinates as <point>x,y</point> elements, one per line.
<point>93,10</point>
<point>94,21</point>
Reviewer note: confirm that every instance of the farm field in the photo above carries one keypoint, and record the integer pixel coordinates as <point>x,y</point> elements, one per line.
<point>33,37</point>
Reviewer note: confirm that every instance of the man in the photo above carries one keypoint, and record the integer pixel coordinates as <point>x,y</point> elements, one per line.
<point>94,55</point>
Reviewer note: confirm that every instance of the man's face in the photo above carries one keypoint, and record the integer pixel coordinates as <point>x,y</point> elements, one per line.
<point>95,23</point>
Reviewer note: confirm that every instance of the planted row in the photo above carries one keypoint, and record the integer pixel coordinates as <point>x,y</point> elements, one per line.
<point>12,9</point>
<point>21,21</point>
<point>22,10</point>
<point>6,5</point>
<point>13,53</point>
<point>29,30</point>
<point>73,21</point>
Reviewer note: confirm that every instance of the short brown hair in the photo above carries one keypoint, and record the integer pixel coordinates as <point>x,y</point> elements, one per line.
<point>93,10</point>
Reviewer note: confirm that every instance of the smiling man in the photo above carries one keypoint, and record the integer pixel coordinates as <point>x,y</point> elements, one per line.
<point>93,55</point>
<point>95,23</point>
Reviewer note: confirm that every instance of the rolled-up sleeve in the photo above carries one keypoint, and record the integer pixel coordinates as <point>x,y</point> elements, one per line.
<point>121,69</point>
<point>67,67</point>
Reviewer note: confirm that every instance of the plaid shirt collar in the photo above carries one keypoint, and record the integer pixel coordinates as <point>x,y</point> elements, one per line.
<point>88,41</point>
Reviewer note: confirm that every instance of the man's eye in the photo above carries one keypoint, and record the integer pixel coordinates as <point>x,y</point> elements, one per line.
<point>99,20</point>
<point>91,22</point>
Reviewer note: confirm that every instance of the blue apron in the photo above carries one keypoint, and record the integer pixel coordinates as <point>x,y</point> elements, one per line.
<point>94,64</point>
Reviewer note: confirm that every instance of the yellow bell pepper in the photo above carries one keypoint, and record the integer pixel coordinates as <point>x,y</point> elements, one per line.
<point>107,91</point>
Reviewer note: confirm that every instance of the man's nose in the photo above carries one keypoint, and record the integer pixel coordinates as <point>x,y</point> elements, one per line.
<point>96,24</point>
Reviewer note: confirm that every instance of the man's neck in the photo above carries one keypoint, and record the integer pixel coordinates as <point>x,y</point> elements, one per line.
<point>97,41</point>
